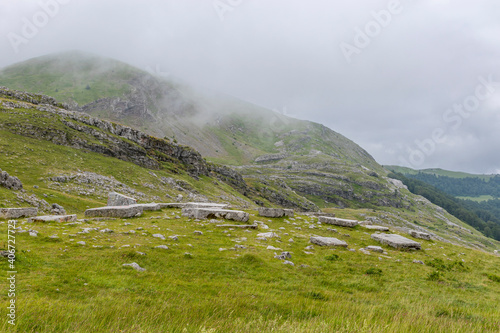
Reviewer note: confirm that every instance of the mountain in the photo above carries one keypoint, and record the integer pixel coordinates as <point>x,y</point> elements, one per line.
<point>274,160</point>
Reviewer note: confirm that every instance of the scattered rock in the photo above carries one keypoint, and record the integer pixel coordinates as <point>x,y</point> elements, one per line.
<point>375,227</point>
<point>270,247</point>
<point>106,230</point>
<point>338,221</point>
<point>284,256</point>
<point>419,234</point>
<point>53,218</point>
<point>196,232</point>
<point>135,266</point>
<point>160,236</point>
<point>268,235</point>
<point>58,209</point>
<point>415,261</point>
<point>164,247</point>
<point>207,213</point>
<point>374,248</point>
<point>286,262</point>
<point>396,241</point>
<point>327,241</point>
<point>174,238</point>
<point>10,182</point>
<point>275,212</point>
<point>81,243</point>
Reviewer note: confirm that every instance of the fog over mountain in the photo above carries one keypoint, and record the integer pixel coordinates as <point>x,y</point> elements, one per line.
<point>415,83</point>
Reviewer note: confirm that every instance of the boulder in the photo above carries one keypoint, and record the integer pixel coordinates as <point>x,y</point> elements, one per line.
<point>207,213</point>
<point>268,235</point>
<point>135,266</point>
<point>10,182</point>
<point>419,234</point>
<point>115,211</point>
<point>374,248</point>
<point>327,241</point>
<point>337,221</point>
<point>58,209</point>
<point>375,227</point>
<point>275,212</point>
<point>117,199</point>
<point>149,206</point>
<point>14,213</point>
<point>53,218</point>
<point>396,241</point>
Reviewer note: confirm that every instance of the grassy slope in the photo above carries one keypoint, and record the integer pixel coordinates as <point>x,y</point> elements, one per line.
<point>246,290</point>
<point>55,76</point>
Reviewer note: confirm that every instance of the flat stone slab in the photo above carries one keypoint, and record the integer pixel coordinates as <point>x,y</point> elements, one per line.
<point>53,218</point>
<point>374,248</point>
<point>14,213</point>
<point>275,212</point>
<point>193,205</point>
<point>248,226</point>
<point>327,241</point>
<point>419,234</point>
<point>148,206</point>
<point>207,213</point>
<point>338,221</point>
<point>115,211</point>
<point>397,241</point>
<point>117,199</point>
<point>375,227</point>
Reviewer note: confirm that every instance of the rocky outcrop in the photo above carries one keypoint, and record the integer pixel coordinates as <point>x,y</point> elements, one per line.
<point>419,234</point>
<point>10,182</point>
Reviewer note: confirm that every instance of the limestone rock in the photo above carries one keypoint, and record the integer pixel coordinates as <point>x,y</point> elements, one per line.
<point>148,206</point>
<point>396,241</point>
<point>115,211</point>
<point>327,241</point>
<point>53,218</point>
<point>208,213</point>
<point>419,234</point>
<point>14,213</point>
<point>58,209</point>
<point>275,212</point>
<point>193,205</point>
<point>117,199</point>
<point>374,248</point>
<point>375,227</point>
<point>10,182</point>
<point>338,221</point>
<point>160,236</point>
<point>268,235</point>
<point>135,266</point>
<point>164,247</point>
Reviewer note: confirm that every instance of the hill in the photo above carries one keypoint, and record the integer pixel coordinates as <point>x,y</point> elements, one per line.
<point>71,276</point>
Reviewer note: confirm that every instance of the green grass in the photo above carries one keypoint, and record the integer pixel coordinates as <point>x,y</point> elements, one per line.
<point>65,287</point>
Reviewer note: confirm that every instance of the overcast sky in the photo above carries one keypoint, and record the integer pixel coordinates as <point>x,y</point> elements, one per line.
<point>412,82</point>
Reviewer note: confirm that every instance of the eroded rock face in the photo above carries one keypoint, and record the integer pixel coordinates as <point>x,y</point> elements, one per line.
<point>14,213</point>
<point>206,213</point>
<point>275,212</point>
<point>327,241</point>
<point>396,241</point>
<point>115,211</point>
<point>117,199</point>
<point>10,182</point>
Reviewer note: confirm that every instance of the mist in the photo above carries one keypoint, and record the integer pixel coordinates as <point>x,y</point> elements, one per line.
<point>390,75</point>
